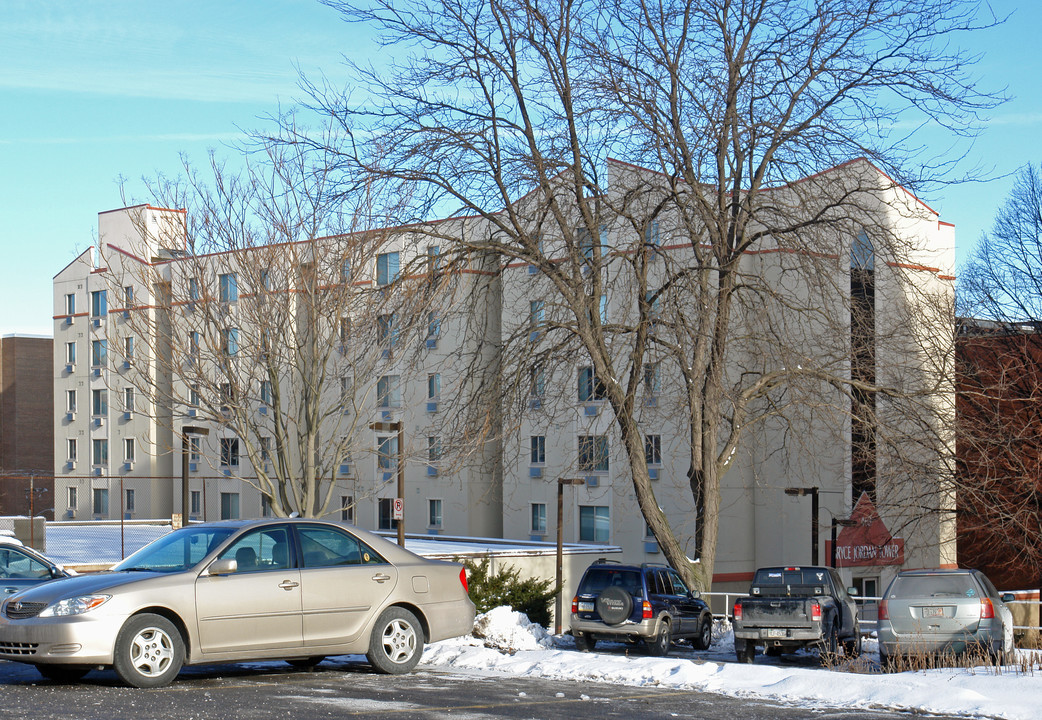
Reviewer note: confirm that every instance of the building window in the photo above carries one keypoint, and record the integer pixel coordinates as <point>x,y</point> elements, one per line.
<point>536,315</point>
<point>653,449</point>
<point>193,396</point>
<point>538,448</point>
<point>539,518</point>
<point>99,405</point>
<point>590,386</point>
<point>538,381</point>
<point>74,497</point>
<point>265,280</point>
<point>434,513</point>
<point>651,298</point>
<point>229,452</point>
<point>346,389</point>
<point>651,235</point>
<point>101,452</point>
<point>386,268</point>
<point>603,305</point>
<point>265,392</point>
<point>345,330</point>
<point>228,287</point>
<point>593,453</point>
<point>347,509</point>
<point>99,306</point>
<point>652,379</point>
<point>385,512</point>
<point>387,453</point>
<point>594,523</point>
<point>70,401</point>
<point>265,510</point>
<point>229,506</point>
<point>386,330</point>
<point>70,304</point>
<point>433,325</point>
<point>128,296</point>
<point>388,393</point>
<point>71,450</point>
<point>128,348</point>
<point>128,502</point>
<point>70,353</point>
<point>128,399</point>
<point>195,501</point>
<point>265,448</point>
<point>433,260</point>
<point>434,386</point>
<point>193,289</point>
<point>230,341</point>
<point>128,450</point>
<point>99,353</point>
<point>100,504</point>
<point>227,397</point>
<point>433,449</point>
<point>194,444</point>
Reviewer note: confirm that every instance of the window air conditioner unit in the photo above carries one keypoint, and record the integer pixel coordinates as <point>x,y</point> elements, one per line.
<point>128,465</point>
<point>593,481</point>
<point>70,416</point>
<point>70,368</point>
<point>192,412</point>
<point>128,415</point>
<point>193,467</point>
<point>432,343</point>
<point>97,322</point>
<point>432,407</point>
<point>70,464</point>
<point>99,421</point>
<point>653,473</point>
<point>535,472</point>
<point>592,410</point>
<point>432,471</point>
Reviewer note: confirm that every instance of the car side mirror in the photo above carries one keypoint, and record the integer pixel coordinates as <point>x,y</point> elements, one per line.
<point>694,594</point>
<point>57,573</point>
<point>1007,597</point>
<point>852,591</point>
<point>224,566</point>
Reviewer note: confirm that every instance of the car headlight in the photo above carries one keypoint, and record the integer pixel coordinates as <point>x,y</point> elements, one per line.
<point>74,606</point>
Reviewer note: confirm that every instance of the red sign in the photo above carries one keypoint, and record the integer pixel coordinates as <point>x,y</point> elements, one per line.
<point>867,543</point>
<point>399,509</point>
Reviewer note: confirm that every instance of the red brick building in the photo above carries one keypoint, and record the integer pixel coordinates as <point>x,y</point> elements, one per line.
<point>26,424</point>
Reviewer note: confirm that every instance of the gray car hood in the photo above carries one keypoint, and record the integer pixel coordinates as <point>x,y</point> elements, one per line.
<point>83,585</point>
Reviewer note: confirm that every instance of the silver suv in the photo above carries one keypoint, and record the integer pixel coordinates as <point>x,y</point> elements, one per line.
<point>933,611</point>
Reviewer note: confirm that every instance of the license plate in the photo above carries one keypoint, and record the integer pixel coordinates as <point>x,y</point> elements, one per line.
<point>931,612</point>
<point>585,607</point>
<point>775,633</point>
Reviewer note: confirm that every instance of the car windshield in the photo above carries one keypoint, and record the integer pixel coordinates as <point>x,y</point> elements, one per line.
<point>177,551</point>
<point>597,579</point>
<point>931,586</point>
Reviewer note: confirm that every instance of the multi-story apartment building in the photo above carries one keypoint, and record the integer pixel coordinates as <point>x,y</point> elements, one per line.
<point>151,339</point>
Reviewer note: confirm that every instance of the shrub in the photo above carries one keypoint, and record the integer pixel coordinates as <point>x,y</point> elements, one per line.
<point>506,587</point>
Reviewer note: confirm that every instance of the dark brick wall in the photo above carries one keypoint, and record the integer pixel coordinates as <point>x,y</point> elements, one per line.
<point>26,422</point>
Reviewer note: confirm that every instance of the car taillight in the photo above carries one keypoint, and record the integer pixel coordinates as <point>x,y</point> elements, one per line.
<point>738,610</point>
<point>575,604</point>
<point>646,612</point>
<point>884,612</point>
<point>987,610</point>
<point>463,579</point>
<point>815,611</point>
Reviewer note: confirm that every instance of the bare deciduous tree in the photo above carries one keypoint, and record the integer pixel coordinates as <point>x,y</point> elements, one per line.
<point>510,110</point>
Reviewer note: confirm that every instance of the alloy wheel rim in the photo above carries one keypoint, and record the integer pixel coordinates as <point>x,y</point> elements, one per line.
<point>151,652</point>
<point>399,641</point>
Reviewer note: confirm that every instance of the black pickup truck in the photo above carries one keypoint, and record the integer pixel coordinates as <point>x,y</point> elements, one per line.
<point>790,608</point>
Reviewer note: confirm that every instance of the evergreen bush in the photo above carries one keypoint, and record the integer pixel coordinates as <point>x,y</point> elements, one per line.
<point>489,590</point>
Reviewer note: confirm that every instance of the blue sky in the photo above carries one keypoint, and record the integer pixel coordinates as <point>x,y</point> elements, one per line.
<point>94,90</point>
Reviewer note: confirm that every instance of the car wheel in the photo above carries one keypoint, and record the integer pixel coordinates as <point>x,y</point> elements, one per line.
<point>887,663</point>
<point>584,643</point>
<point>614,605</point>
<point>830,646</point>
<point>306,663</point>
<point>704,639</point>
<point>396,643</point>
<point>659,645</point>
<point>746,653</point>
<point>149,651</point>
<point>852,648</point>
<point>63,673</point>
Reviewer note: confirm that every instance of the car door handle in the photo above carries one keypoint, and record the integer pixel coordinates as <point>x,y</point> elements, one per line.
<point>288,584</point>
<point>381,578</point>
<point>10,590</point>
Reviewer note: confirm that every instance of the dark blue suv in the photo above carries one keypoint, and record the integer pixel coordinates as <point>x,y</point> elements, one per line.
<point>648,603</point>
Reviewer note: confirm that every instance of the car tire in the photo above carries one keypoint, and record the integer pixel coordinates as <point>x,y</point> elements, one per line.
<point>659,645</point>
<point>306,663</point>
<point>887,663</point>
<point>614,605</point>
<point>149,651</point>
<point>852,648</point>
<point>830,647</point>
<point>746,654</point>
<point>584,643</point>
<point>396,643</point>
<point>704,638</point>
<point>63,673</point>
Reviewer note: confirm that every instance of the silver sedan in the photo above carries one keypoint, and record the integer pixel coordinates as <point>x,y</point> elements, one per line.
<point>292,589</point>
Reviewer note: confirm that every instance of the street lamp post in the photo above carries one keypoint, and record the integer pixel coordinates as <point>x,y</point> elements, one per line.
<point>187,430</point>
<point>813,492</point>
<point>397,427</point>
<point>561,482</point>
<point>837,523</point>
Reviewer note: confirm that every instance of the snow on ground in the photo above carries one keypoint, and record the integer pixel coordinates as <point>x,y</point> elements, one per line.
<point>510,644</point>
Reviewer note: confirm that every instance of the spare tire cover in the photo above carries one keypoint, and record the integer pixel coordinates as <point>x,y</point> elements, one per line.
<point>614,605</point>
